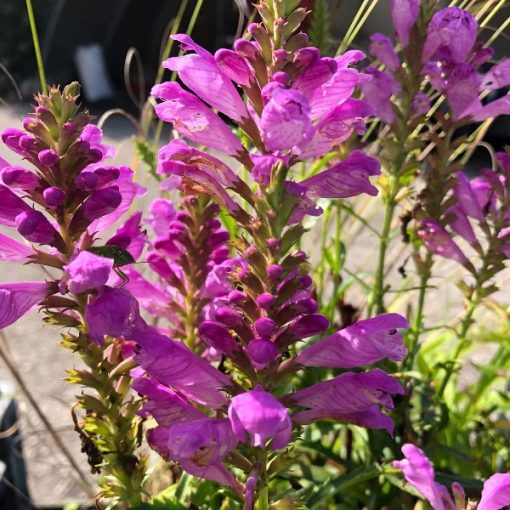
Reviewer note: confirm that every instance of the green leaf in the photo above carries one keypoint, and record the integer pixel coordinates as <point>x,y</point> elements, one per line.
<point>165,500</point>
<point>342,483</point>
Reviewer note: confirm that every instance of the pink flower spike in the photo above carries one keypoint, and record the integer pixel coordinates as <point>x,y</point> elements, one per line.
<point>259,416</point>
<point>365,342</point>
<point>16,299</point>
<point>201,73</point>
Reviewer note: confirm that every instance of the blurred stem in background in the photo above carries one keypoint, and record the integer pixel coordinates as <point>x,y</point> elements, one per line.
<point>37,48</point>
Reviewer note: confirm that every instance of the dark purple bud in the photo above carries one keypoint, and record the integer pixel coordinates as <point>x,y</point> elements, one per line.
<point>218,238</point>
<point>35,227</point>
<point>54,196</point>
<point>41,109</point>
<point>281,77</point>
<point>280,55</point>
<point>218,336</point>
<point>306,56</point>
<point>220,255</point>
<point>243,274</point>
<point>69,127</point>
<point>11,138</point>
<point>273,244</point>
<point>17,177</point>
<point>264,327</point>
<point>308,305</point>
<point>87,181</point>
<point>229,317</point>
<point>28,123</point>
<point>27,142</point>
<point>213,224</point>
<point>306,281</point>
<point>237,297</point>
<point>274,271</point>
<point>48,157</point>
<point>182,216</point>
<point>309,325</point>
<point>102,202</point>
<point>261,353</point>
<point>265,300</point>
<point>246,49</point>
<point>95,155</point>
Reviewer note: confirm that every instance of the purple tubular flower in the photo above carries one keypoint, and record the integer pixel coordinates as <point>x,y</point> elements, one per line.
<point>36,228</point>
<point>11,138</point>
<point>382,48</point>
<point>345,179</point>
<point>16,299</point>
<point>194,120</point>
<point>260,416</point>
<point>13,251</point>
<point>285,120</point>
<point>467,198</point>
<point>351,397</point>
<point>264,164</point>
<point>460,224</point>
<point>165,405</point>
<point>404,14</point>
<point>162,213</point>
<point>171,363</point>
<point>114,312</point>
<point>363,343</point>
<point>439,242</point>
<point>418,472</point>
<point>378,92</point>
<point>201,73</point>
<point>451,35</point>
<point>88,271</point>
<point>48,157</point>
<point>234,66</point>
<point>10,207</point>
<point>19,178</point>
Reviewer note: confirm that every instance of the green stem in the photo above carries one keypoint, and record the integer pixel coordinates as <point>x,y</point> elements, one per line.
<point>418,319</point>
<point>377,300</point>
<point>37,48</point>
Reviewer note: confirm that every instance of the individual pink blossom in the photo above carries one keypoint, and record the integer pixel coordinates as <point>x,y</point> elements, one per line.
<point>257,415</point>
<point>439,242</point>
<point>365,342</point>
<point>404,14</point>
<point>87,271</point>
<point>382,48</point>
<point>378,92</point>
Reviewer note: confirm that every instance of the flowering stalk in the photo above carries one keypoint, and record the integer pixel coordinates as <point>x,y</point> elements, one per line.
<point>77,197</point>
<point>298,107</point>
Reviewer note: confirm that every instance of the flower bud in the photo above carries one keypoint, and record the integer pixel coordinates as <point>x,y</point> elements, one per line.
<point>88,271</point>
<point>11,138</point>
<point>27,142</point>
<point>261,352</point>
<point>274,271</point>
<point>54,196</point>
<point>237,297</point>
<point>20,178</point>
<point>35,227</point>
<point>264,327</point>
<point>48,157</point>
<point>265,300</point>
<point>229,317</point>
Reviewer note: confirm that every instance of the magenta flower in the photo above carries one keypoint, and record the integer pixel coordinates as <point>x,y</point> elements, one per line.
<point>200,73</point>
<point>194,120</point>
<point>418,472</point>
<point>16,299</point>
<point>382,48</point>
<point>404,14</point>
<point>451,35</point>
<point>439,242</point>
<point>378,92</point>
<point>10,207</point>
<point>257,415</point>
<point>88,271</point>
<point>363,343</point>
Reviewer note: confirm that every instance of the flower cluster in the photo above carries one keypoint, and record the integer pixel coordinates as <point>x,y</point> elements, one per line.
<point>449,57</point>
<point>298,106</point>
<point>62,205</point>
<point>419,473</point>
<point>190,258</point>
